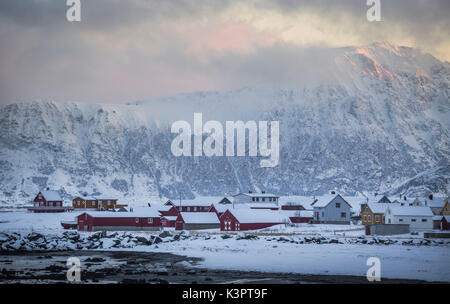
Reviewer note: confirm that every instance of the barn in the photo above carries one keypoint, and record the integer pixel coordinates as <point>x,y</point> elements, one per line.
<point>197,221</point>
<point>249,219</point>
<point>48,201</point>
<point>144,219</point>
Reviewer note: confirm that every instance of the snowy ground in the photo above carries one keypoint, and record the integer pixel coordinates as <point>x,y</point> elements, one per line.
<point>270,254</point>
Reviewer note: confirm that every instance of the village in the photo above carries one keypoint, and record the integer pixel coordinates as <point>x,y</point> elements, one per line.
<point>377,215</point>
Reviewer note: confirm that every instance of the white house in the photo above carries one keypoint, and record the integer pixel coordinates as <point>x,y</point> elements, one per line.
<point>245,198</point>
<point>331,209</point>
<point>416,217</point>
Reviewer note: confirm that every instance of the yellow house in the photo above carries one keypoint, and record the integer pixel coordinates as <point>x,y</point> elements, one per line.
<point>446,208</point>
<point>373,213</point>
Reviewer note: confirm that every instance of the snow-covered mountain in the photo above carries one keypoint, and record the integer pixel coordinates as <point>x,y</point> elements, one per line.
<point>379,122</point>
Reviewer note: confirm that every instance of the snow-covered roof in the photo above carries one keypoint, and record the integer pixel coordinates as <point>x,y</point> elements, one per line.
<point>257,216</point>
<point>257,194</point>
<point>164,207</point>
<point>324,200</point>
<point>438,202</point>
<point>437,217</point>
<point>51,195</point>
<point>137,212</point>
<point>223,207</point>
<point>447,218</point>
<point>379,207</point>
<point>410,211</point>
<point>200,217</point>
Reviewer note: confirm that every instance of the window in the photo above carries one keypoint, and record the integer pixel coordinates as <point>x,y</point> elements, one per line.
<point>400,220</point>
<point>137,220</point>
<point>344,215</point>
<point>188,209</point>
<point>263,199</point>
<point>424,220</point>
<point>150,220</point>
<point>253,199</point>
<point>413,220</point>
<point>338,205</point>
<point>377,218</point>
<point>365,218</point>
<point>257,199</point>
<point>369,218</point>
<point>195,208</point>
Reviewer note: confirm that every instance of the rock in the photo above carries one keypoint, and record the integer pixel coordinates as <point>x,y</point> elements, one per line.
<point>157,240</point>
<point>95,260</point>
<point>32,237</point>
<point>226,236</point>
<point>165,234</point>
<point>143,240</point>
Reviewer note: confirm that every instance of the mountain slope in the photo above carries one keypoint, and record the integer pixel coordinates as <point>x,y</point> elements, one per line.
<point>379,119</point>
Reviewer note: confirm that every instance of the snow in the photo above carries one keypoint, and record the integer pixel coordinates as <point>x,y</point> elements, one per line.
<point>200,217</point>
<point>423,263</point>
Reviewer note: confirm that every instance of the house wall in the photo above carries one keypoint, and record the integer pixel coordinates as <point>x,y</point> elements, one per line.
<point>385,229</point>
<point>297,219</point>
<point>444,224</point>
<point>418,224</point>
<point>331,214</point>
<point>244,199</point>
<point>193,208</point>
<point>89,223</point>
<point>200,226</point>
<point>446,209</point>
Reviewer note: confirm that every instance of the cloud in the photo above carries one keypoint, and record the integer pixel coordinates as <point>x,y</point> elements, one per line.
<point>128,50</point>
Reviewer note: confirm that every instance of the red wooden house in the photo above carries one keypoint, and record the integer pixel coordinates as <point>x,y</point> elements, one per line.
<point>445,222</point>
<point>144,219</point>
<point>248,219</point>
<point>48,201</point>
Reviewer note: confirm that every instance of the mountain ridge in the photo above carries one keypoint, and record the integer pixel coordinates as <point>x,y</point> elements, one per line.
<point>382,122</point>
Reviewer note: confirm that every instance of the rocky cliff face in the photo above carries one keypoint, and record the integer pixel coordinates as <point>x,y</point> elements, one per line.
<point>381,124</point>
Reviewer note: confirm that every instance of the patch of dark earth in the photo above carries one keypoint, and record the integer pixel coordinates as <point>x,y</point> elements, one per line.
<point>128,267</point>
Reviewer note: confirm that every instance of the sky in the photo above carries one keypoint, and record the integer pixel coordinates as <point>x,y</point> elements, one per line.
<point>123,51</point>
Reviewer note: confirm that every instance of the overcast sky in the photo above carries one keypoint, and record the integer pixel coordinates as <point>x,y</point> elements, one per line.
<point>123,51</point>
